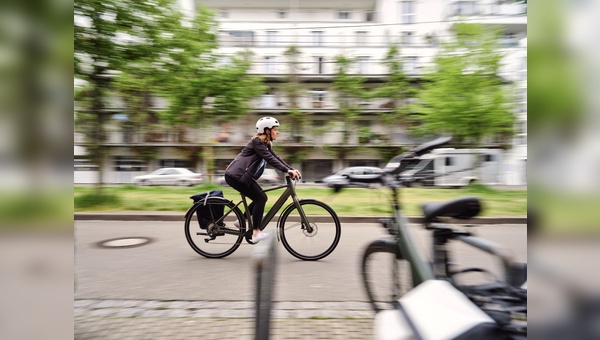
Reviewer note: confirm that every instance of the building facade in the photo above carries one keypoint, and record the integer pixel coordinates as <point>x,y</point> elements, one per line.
<point>358,29</point>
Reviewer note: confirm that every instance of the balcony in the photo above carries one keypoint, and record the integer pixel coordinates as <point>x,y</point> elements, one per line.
<point>280,103</point>
<point>511,15</point>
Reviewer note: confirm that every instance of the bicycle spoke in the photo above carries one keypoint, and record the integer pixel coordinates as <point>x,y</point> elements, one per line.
<point>313,241</point>
<point>215,237</point>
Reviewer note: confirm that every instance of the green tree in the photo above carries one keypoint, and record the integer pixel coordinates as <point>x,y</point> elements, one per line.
<point>293,88</point>
<point>464,96</point>
<point>109,36</point>
<point>199,83</point>
<point>350,91</point>
<point>397,89</point>
<point>137,50</point>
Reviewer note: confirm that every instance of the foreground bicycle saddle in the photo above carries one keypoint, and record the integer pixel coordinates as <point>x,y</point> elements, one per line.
<point>460,208</point>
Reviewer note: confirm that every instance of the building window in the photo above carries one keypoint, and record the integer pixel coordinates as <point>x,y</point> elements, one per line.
<point>369,17</point>
<point>269,65</point>
<point>508,40</point>
<point>362,64</point>
<point>238,38</point>
<point>282,14</point>
<point>317,38</point>
<point>175,163</point>
<point>83,163</point>
<point>271,38</point>
<point>449,161</point>
<point>407,38</point>
<point>523,68</point>
<point>410,65</point>
<point>318,97</point>
<point>224,14</point>
<point>343,15</point>
<point>407,12</point>
<point>128,163</point>
<point>523,130</point>
<point>319,65</point>
<point>361,37</point>
<point>465,8</point>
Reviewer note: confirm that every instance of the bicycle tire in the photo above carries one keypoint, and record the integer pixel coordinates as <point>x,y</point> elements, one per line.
<point>303,243</point>
<point>218,239</point>
<point>382,286</point>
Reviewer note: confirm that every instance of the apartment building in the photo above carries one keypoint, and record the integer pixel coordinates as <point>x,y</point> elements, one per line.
<point>359,29</point>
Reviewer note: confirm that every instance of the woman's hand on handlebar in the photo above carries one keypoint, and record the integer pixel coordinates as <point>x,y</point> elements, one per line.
<point>294,174</point>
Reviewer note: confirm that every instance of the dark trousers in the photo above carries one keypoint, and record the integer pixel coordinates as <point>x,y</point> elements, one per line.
<point>255,193</point>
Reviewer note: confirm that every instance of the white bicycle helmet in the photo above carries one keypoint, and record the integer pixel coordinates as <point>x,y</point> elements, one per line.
<point>266,123</point>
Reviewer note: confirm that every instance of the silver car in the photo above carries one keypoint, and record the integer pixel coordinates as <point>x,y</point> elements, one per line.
<point>169,176</point>
<point>341,177</point>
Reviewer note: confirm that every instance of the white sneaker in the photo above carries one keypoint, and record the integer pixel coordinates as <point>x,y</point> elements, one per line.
<point>259,237</point>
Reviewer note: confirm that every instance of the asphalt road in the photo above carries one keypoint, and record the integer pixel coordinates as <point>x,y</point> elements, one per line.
<point>168,269</point>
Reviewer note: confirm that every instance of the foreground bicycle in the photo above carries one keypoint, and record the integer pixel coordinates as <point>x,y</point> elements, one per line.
<point>308,229</point>
<point>392,267</point>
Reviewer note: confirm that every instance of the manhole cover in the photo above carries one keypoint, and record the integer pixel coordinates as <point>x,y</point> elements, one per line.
<point>124,242</point>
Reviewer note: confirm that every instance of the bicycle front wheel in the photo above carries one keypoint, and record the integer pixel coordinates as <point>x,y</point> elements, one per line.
<point>212,236</point>
<point>386,275</point>
<point>312,241</point>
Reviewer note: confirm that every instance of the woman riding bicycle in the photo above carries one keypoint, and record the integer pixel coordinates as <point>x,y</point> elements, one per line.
<point>248,166</point>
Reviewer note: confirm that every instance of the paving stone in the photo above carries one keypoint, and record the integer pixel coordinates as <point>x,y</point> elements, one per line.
<point>130,312</point>
<point>84,303</point>
<point>153,304</point>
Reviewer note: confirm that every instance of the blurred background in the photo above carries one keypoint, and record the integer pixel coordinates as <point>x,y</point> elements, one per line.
<point>563,174</point>
<point>36,173</point>
<point>36,129</point>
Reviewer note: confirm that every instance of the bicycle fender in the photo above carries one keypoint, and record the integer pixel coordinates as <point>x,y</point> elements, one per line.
<point>189,211</point>
<point>388,243</point>
<point>307,200</point>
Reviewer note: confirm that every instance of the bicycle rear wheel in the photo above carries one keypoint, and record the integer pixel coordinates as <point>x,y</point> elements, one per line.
<point>314,241</point>
<point>215,237</point>
<point>386,275</point>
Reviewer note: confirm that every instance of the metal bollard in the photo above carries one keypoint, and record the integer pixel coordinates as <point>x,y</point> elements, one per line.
<point>265,261</point>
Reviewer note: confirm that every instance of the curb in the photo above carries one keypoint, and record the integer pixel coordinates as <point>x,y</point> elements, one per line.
<point>179,217</point>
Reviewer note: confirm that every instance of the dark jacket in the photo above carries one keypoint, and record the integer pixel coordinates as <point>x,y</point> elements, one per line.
<point>247,162</point>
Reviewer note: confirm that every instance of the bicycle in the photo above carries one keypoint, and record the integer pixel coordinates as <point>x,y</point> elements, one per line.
<point>308,229</point>
<point>407,269</point>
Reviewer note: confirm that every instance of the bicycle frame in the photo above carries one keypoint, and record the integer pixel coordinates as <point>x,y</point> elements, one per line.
<point>439,268</point>
<point>289,192</point>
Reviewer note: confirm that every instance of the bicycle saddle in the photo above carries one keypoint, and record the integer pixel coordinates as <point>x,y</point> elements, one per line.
<point>461,208</point>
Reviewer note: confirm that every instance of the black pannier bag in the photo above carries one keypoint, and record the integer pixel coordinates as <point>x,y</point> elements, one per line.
<point>204,214</point>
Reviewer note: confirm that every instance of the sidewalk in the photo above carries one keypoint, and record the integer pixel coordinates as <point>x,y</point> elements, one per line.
<point>142,319</point>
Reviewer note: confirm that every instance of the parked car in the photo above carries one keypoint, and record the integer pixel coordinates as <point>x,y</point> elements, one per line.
<point>341,177</point>
<point>169,176</point>
<point>269,177</point>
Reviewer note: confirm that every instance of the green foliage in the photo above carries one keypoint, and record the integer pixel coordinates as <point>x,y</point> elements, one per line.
<point>94,199</point>
<point>139,50</point>
<point>397,89</point>
<point>20,210</point>
<point>350,91</point>
<point>556,88</point>
<point>464,96</point>
<point>293,90</point>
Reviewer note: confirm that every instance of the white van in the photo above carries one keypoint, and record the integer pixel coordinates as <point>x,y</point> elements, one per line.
<point>455,168</point>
